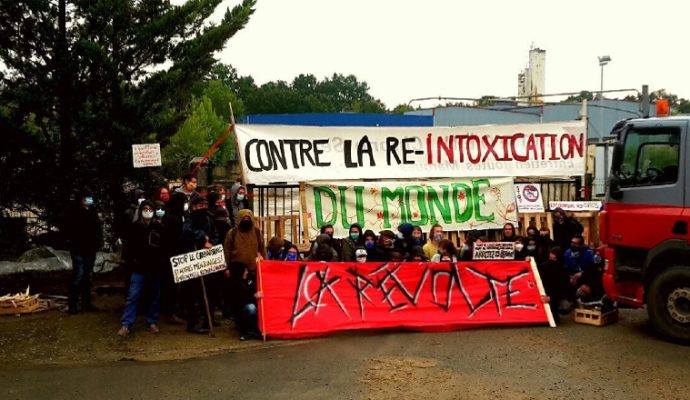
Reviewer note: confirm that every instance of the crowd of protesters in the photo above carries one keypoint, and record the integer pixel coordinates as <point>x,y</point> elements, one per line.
<point>172,222</point>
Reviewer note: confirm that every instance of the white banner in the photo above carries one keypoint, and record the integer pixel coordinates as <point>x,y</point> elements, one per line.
<point>575,205</point>
<point>457,204</point>
<point>280,153</point>
<point>528,197</point>
<point>146,155</point>
<point>494,251</point>
<point>197,263</point>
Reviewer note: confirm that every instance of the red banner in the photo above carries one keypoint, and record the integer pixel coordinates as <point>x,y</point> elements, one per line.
<point>312,298</point>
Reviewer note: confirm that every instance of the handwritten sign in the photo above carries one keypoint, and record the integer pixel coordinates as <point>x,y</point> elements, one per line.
<point>528,197</point>
<point>146,155</point>
<point>279,153</point>
<point>576,205</point>
<point>457,204</point>
<point>197,263</point>
<point>494,251</point>
<point>311,298</point>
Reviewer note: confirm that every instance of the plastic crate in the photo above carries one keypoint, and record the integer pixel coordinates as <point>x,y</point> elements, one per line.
<point>595,317</point>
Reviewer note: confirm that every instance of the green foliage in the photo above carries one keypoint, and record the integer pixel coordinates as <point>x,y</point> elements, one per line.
<point>402,109</point>
<point>196,135</point>
<point>76,95</point>
<point>584,95</point>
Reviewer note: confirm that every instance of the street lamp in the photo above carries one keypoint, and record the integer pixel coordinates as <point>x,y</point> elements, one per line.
<point>603,60</point>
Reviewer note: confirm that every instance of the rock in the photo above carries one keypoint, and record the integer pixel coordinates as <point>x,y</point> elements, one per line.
<point>36,254</point>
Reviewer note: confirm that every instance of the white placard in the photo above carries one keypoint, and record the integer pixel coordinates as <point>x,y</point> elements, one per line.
<point>528,197</point>
<point>146,155</point>
<point>494,251</point>
<point>575,205</point>
<point>197,263</point>
<point>281,153</point>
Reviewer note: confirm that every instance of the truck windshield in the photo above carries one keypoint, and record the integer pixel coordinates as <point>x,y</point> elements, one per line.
<point>650,157</point>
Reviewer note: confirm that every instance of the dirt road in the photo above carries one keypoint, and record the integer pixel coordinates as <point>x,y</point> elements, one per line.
<point>622,361</point>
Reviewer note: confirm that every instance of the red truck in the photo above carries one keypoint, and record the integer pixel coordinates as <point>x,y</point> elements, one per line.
<point>644,225</point>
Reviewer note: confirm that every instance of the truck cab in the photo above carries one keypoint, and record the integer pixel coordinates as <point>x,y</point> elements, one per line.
<point>644,225</point>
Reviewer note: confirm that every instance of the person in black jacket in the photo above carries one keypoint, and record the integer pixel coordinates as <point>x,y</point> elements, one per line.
<point>243,284</point>
<point>564,228</point>
<point>556,282</point>
<point>84,233</point>
<point>171,240</point>
<point>198,233</point>
<point>148,261</point>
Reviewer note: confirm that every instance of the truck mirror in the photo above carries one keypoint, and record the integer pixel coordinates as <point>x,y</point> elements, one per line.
<point>617,158</point>
<point>615,191</point>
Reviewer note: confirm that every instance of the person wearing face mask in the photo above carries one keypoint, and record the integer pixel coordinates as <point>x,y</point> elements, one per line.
<point>277,248</point>
<point>188,188</point>
<point>544,243</point>
<point>218,213</point>
<point>417,254</point>
<point>384,246</point>
<point>244,248</point>
<point>435,236</point>
<point>404,241</point>
<point>564,228</point>
<point>578,259</point>
<point>351,242</point>
<point>336,243</point>
<point>369,242</point>
<point>236,201</point>
<point>531,249</point>
<point>292,254</point>
<point>199,233</point>
<point>148,262</point>
<point>520,250</point>
<point>84,232</point>
<point>163,194</point>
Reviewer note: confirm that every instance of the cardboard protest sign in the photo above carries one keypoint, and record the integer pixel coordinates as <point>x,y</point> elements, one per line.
<point>146,155</point>
<point>312,298</point>
<point>575,205</point>
<point>279,153</point>
<point>457,204</point>
<point>528,197</point>
<point>197,263</point>
<point>494,251</point>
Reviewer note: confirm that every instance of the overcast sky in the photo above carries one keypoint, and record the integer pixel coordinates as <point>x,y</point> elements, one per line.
<point>409,49</point>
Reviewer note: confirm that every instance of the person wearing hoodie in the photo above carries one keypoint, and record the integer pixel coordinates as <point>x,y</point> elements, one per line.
<point>238,201</point>
<point>404,240</point>
<point>84,233</point>
<point>277,249</point>
<point>385,244</point>
<point>148,261</point>
<point>244,248</point>
<point>369,240</point>
<point>323,250</point>
<point>556,283</point>
<point>417,235</point>
<point>351,242</point>
<point>219,213</point>
<point>198,233</point>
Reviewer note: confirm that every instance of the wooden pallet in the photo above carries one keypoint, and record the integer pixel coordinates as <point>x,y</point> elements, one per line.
<point>22,307</point>
<point>595,317</point>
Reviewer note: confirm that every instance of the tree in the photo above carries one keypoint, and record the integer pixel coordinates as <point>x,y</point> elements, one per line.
<point>402,109</point>
<point>196,135</point>
<point>584,95</point>
<point>485,101</point>
<point>120,72</point>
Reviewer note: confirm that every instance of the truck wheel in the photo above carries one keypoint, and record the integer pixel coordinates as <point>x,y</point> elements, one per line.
<point>668,303</point>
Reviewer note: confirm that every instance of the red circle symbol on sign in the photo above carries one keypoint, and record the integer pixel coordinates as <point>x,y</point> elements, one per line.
<point>531,193</point>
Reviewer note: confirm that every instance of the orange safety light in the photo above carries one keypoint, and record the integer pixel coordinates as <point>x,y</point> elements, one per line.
<point>662,108</point>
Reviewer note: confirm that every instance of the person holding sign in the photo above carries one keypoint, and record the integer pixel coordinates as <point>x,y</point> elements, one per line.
<point>148,260</point>
<point>198,233</point>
